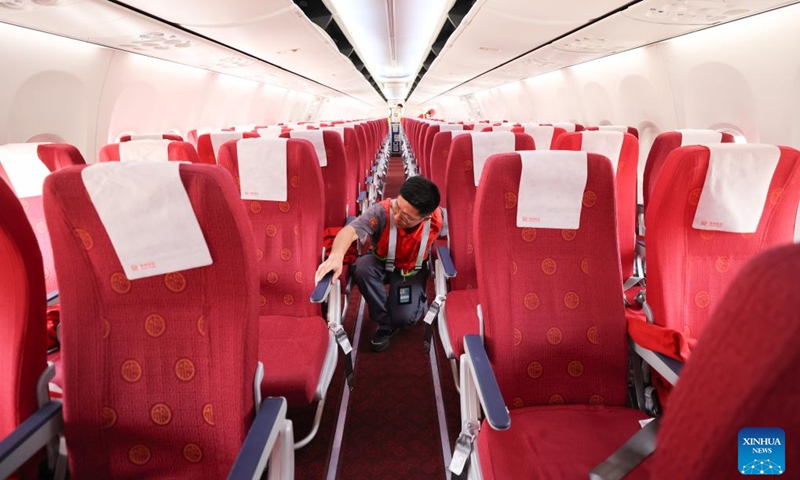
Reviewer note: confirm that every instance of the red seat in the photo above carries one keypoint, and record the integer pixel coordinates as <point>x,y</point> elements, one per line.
<point>544,136</point>
<point>54,156</point>
<point>22,326</point>
<point>554,329</point>
<point>158,371</point>
<point>743,374</point>
<point>666,142</point>
<point>208,144</point>
<point>296,348</point>
<point>625,177</point>
<point>688,269</point>
<point>330,144</point>
<point>460,184</point>
<point>174,151</point>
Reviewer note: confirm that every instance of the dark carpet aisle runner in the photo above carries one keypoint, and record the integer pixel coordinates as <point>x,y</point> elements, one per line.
<point>392,429</point>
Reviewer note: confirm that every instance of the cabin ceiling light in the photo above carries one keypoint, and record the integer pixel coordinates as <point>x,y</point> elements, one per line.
<point>392,37</point>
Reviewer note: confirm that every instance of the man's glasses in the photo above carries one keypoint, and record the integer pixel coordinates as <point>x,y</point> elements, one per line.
<point>406,218</point>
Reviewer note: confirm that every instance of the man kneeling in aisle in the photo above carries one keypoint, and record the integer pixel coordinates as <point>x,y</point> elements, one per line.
<point>402,230</point>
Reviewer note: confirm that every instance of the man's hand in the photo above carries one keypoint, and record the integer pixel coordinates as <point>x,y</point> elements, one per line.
<point>333,263</point>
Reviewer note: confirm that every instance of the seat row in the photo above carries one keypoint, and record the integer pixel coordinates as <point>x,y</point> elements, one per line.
<point>543,303</point>
<point>296,347</point>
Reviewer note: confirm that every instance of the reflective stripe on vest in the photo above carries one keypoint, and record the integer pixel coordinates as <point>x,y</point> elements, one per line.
<point>390,256</point>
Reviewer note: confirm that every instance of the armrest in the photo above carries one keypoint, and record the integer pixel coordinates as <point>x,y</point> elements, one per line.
<point>447,262</point>
<point>361,196</point>
<point>627,457</point>
<point>494,407</point>
<point>53,298</point>
<point>252,459</point>
<point>368,180</point>
<point>29,437</point>
<point>321,290</point>
<point>669,368</point>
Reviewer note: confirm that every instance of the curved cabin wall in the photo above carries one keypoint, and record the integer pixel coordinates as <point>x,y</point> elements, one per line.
<point>88,95</point>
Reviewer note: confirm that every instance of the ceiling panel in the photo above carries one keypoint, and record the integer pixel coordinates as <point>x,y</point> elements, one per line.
<point>645,22</point>
<point>277,33</point>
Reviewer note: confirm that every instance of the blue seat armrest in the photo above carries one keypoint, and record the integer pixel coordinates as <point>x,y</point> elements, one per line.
<point>30,436</point>
<point>447,262</point>
<point>669,368</point>
<point>361,196</point>
<point>255,452</point>
<point>494,407</point>
<point>320,292</point>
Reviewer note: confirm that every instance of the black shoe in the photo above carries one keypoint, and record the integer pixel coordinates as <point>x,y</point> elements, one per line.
<point>380,341</point>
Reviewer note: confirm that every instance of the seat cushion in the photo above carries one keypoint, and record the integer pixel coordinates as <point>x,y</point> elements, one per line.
<point>292,350</point>
<point>557,442</point>
<point>462,317</point>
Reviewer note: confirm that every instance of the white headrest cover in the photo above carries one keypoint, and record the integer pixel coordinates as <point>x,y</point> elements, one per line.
<point>146,136</point>
<point>542,135</point>
<point>338,129</point>
<point>551,189</point>
<point>153,150</point>
<point>485,144</point>
<point>613,128</point>
<point>604,143</point>
<point>262,168</point>
<point>269,131</point>
<point>148,216</point>
<point>699,137</point>
<point>447,127</point>
<point>24,168</point>
<point>218,138</point>
<point>736,187</point>
<point>316,137</point>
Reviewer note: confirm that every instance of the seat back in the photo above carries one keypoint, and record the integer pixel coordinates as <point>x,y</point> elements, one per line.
<point>288,234</point>
<point>22,314</point>
<point>689,270</point>
<point>54,156</point>
<point>625,177</point>
<point>350,139</point>
<point>743,374</point>
<point>544,136</point>
<point>440,151</point>
<point>460,184</point>
<point>666,142</point>
<point>334,170</point>
<point>615,128</point>
<point>158,371</point>
<point>553,318</point>
<point>208,144</point>
<point>174,151</point>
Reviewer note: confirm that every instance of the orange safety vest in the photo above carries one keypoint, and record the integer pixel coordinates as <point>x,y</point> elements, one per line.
<point>408,256</point>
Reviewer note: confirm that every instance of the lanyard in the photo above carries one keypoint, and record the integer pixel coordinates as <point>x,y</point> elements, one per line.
<point>390,257</point>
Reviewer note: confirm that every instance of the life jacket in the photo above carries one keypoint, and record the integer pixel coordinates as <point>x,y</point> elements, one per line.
<point>408,256</point>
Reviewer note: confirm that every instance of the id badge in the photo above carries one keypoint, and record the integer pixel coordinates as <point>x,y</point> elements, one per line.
<point>404,294</point>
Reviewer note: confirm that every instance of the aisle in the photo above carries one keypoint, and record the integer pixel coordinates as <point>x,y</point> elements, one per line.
<point>392,430</point>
